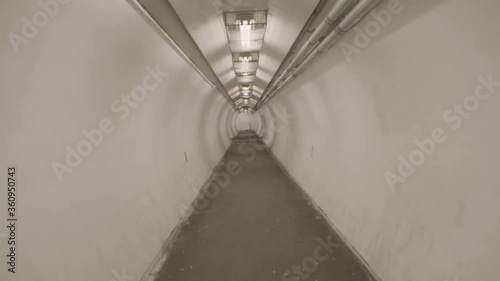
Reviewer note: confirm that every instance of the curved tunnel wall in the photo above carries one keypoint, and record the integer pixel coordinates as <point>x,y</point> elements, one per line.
<point>247,121</point>
<point>114,207</point>
<point>353,120</point>
<point>338,129</point>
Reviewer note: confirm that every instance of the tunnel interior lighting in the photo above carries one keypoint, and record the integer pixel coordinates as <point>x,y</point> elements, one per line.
<point>244,109</point>
<point>233,18</point>
<point>245,67</point>
<point>245,90</point>
<point>246,57</point>
<point>250,46</point>
<point>245,77</point>
<point>245,27</point>
<point>246,95</point>
<point>245,32</point>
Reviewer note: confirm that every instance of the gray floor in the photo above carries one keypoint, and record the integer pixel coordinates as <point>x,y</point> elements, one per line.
<point>257,228</point>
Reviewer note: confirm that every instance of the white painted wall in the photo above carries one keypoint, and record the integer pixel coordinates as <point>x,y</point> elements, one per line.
<point>119,205</point>
<point>246,121</point>
<point>116,209</point>
<point>444,220</point>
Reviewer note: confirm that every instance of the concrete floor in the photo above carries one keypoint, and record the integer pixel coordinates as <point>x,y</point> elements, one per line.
<point>259,228</point>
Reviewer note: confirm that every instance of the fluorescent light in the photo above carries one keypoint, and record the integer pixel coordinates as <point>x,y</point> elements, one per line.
<point>250,46</point>
<point>245,67</point>
<point>240,57</point>
<point>246,32</point>
<point>232,18</point>
<point>245,59</point>
<point>245,78</point>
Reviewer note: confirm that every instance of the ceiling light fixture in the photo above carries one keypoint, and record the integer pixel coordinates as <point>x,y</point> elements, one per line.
<point>245,32</point>
<point>245,59</point>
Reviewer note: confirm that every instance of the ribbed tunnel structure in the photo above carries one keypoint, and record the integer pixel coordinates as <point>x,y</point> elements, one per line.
<point>368,128</point>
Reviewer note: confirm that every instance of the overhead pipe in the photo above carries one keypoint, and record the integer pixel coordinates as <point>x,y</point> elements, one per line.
<point>333,16</point>
<point>338,9</point>
<point>346,23</point>
<point>310,22</point>
<point>171,28</point>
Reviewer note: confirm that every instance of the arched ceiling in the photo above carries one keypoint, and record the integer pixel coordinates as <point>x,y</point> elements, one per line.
<point>207,25</point>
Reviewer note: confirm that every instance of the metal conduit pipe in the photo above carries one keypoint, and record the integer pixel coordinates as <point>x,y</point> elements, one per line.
<point>284,64</point>
<point>324,45</point>
<point>357,13</point>
<point>335,13</point>
<point>333,16</point>
<point>339,8</point>
<point>172,30</point>
<point>349,21</point>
